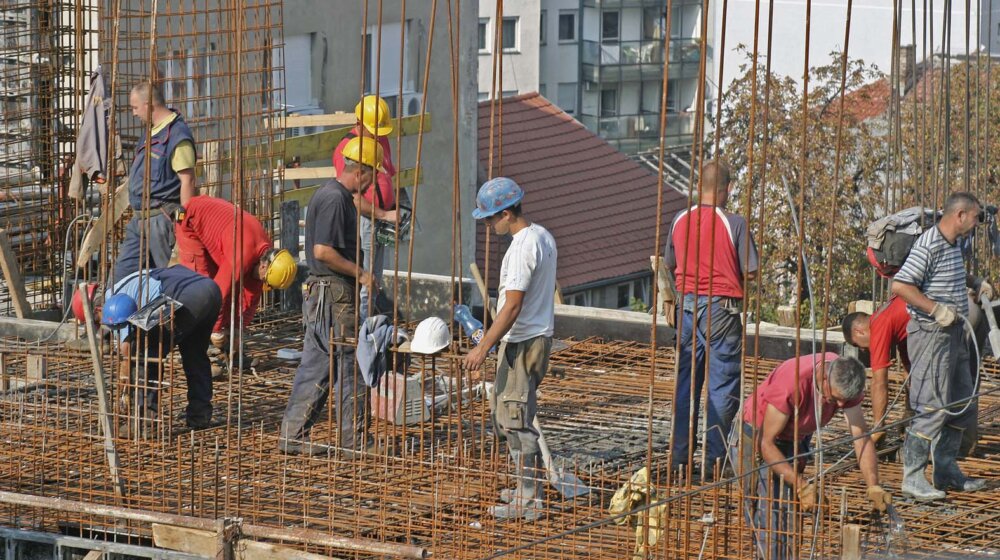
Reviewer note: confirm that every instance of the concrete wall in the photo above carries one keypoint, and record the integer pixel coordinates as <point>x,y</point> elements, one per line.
<point>560,60</point>
<point>521,65</point>
<point>335,29</point>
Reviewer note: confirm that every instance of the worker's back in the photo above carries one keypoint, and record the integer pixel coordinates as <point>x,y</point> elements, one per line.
<point>214,221</point>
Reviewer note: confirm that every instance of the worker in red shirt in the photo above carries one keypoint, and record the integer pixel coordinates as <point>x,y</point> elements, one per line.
<point>374,121</point>
<point>883,335</point>
<point>209,243</point>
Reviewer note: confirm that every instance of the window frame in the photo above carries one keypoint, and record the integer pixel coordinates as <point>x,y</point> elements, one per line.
<point>542,23</point>
<point>516,47</point>
<point>484,37</point>
<point>618,31</point>
<point>568,13</point>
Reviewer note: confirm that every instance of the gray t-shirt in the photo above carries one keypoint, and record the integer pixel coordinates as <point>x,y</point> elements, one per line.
<point>937,269</point>
<point>331,220</point>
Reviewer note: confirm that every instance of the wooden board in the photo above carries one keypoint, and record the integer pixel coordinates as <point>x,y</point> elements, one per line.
<point>96,236</point>
<point>404,179</point>
<point>339,118</point>
<point>319,146</point>
<point>851,542</point>
<point>205,543</point>
<point>12,274</point>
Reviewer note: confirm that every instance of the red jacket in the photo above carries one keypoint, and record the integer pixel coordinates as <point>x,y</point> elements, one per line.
<point>383,180</point>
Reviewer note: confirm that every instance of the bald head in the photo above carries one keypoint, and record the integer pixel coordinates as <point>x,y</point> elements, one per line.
<point>714,182</point>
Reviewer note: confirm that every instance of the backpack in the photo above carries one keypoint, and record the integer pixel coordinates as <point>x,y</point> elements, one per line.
<point>890,238</point>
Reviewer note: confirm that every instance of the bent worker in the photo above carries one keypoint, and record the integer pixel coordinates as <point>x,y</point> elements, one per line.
<point>524,324</point>
<point>710,253</point>
<point>778,422</point>
<point>883,334</point>
<point>328,309</point>
<point>934,283</point>
<point>231,249</point>
<point>373,121</point>
<point>190,330</point>
<point>149,235</point>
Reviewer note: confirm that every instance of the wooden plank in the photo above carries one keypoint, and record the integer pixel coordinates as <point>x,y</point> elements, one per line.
<point>404,179</point>
<point>339,118</point>
<point>97,234</point>
<point>205,543</point>
<point>11,273</point>
<point>478,277</point>
<point>851,542</point>
<point>666,300</point>
<point>212,175</point>
<point>4,376</point>
<point>94,555</point>
<point>301,173</point>
<point>558,295</point>
<point>319,146</point>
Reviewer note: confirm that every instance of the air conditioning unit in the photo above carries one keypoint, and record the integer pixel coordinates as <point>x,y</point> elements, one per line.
<point>412,103</point>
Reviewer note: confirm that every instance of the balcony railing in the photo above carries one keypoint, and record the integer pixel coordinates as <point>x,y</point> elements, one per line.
<point>640,52</point>
<point>612,4</point>
<point>639,126</point>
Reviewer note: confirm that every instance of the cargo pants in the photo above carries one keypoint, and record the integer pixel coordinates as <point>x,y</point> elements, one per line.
<point>137,246</point>
<point>941,372</point>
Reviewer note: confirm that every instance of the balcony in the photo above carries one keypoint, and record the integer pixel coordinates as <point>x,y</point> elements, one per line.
<point>635,127</point>
<point>616,4</point>
<point>627,61</point>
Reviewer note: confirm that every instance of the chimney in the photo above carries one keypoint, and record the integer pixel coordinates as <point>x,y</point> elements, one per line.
<point>907,67</point>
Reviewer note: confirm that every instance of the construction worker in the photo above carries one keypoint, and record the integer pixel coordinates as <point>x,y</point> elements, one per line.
<point>328,309</point>
<point>883,334</point>
<point>934,283</point>
<point>190,330</point>
<point>373,121</point>
<point>207,239</point>
<point>523,327</point>
<point>710,253</point>
<point>785,407</point>
<point>149,235</point>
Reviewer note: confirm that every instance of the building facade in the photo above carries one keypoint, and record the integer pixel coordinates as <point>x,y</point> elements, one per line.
<point>520,40</point>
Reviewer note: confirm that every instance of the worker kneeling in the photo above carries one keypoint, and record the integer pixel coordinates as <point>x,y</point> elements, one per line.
<point>231,248</point>
<point>190,330</point>
<point>777,432</point>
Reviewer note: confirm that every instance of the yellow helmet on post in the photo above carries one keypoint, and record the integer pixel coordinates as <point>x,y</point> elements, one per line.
<point>366,151</point>
<point>281,269</point>
<point>373,113</point>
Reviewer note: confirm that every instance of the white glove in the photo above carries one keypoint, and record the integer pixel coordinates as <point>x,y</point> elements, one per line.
<point>945,315</point>
<point>985,290</point>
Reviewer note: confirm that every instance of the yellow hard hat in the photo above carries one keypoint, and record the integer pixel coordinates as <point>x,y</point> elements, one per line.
<point>366,151</point>
<point>281,269</point>
<point>373,113</point>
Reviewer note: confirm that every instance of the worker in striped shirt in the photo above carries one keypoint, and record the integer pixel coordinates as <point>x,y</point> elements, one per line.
<point>933,282</point>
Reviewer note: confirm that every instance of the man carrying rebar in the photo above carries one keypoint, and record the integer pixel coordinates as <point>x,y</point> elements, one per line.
<point>798,398</point>
<point>373,121</point>
<point>710,253</point>
<point>524,324</point>
<point>189,328</point>
<point>231,248</point>
<point>169,162</point>
<point>933,282</point>
<point>328,309</point>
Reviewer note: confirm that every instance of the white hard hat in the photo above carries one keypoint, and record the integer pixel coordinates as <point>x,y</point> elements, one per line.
<point>432,336</point>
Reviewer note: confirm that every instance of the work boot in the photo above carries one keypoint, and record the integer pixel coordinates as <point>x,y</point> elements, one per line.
<point>303,447</point>
<point>507,495</point>
<point>947,475</point>
<point>916,452</point>
<point>525,500</point>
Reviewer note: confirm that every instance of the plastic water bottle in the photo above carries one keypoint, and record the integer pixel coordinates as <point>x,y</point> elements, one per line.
<point>473,327</point>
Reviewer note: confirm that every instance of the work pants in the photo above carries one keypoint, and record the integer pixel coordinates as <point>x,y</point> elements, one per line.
<point>328,311</point>
<point>941,372</point>
<point>770,506</point>
<point>190,330</point>
<point>720,347</point>
<point>156,245</point>
<point>374,262</point>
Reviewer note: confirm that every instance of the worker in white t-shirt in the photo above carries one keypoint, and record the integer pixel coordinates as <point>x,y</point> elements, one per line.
<point>523,327</point>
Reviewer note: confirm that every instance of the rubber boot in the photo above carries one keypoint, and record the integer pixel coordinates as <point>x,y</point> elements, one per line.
<point>526,502</point>
<point>947,475</point>
<point>507,494</point>
<point>916,452</point>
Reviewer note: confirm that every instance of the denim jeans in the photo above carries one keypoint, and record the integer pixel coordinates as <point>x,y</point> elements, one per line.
<point>718,351</point>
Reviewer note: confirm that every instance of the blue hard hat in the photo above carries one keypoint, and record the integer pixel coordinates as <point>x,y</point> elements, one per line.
<point>497,194</point>
<point>117,310</point>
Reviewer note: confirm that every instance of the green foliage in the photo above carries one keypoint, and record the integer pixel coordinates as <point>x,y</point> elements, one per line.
<point>636,304</point>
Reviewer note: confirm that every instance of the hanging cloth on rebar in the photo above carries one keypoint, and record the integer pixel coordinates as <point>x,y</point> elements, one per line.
<point>375,338</point>
<point>92,141</point>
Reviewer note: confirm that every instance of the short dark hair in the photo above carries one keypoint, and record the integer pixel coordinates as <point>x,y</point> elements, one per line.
<point>848,325</point>
<point>847,375</point>
<point>716,171</point>
<point>515,210</point>
<point>960,200</point>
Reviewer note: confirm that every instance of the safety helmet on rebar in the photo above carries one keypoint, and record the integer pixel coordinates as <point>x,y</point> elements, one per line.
<point>77,302</point>
<point>366,151</point>
<point>432,336</point>
<point>496,195</point>
<point>117,311</point>
<point>373,113</point>
<point>281,269</point>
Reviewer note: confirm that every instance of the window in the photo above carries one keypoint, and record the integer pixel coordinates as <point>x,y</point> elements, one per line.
<point>672,96</point>
<point>483,27</point>
<point>653,23</point>
<point>566,97</point>
<point>388,62</point>
<point>542,20</point>
<point>623,296</point>
<point>567,26</point>
<point>541,89</point>
<point>186,83</point>
<point>609,102</point>
<point>609,27</point>
<point>509,31</point>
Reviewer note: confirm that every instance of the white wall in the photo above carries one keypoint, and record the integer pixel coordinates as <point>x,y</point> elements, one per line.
<point>559,60</point>
<point>990,25</point>
<point>871,32</point>
<point>520,68</point>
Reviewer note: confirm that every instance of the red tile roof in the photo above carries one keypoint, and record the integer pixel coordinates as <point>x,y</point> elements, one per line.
<point>599,205</point>
<point>868,101</point>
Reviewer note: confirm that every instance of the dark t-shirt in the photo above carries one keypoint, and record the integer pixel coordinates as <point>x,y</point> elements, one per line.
<point>331,220</point>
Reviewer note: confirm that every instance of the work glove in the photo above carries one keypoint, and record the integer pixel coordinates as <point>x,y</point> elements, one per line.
<point>945,315</point>
<point>808,497</point>
<point>984,290</point>
<point>879,498</point>
<point>219,340</point>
